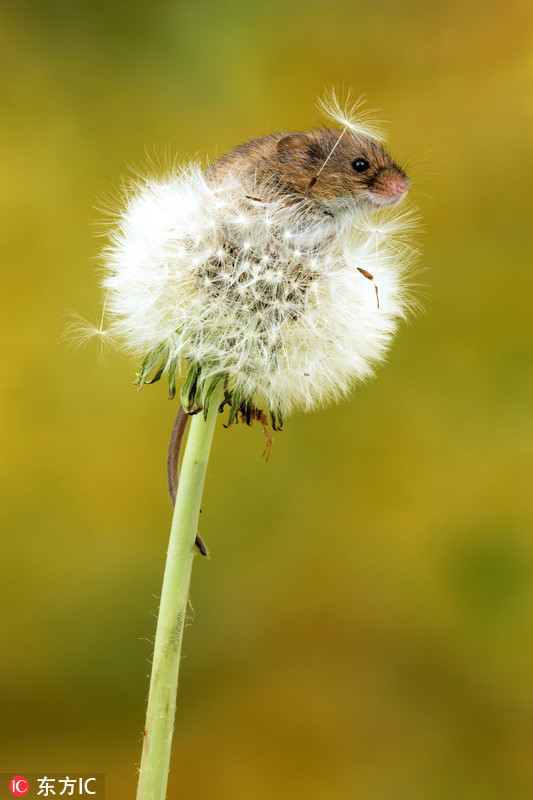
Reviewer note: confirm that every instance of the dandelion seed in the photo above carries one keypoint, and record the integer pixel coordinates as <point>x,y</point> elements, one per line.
<point>351,115</point>
<point>79,332</point>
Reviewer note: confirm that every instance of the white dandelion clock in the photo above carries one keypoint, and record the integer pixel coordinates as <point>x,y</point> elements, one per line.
<point>271,282</point>
<point>255,272</point>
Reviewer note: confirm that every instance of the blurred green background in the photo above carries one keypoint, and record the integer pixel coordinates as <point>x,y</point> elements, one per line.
<point>364,627</point>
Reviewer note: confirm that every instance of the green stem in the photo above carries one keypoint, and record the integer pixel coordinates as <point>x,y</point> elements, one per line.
<point>153,774</point>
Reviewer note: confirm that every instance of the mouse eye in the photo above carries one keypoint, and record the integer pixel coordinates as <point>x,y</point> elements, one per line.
<point>360,165</point>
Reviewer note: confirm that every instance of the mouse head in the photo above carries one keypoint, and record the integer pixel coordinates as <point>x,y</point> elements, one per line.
<point>337,169</point>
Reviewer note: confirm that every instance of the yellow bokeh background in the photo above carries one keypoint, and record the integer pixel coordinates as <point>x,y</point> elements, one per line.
<point>364,626</point>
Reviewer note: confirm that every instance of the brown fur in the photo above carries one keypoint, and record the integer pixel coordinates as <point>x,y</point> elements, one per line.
<point>293,163</point>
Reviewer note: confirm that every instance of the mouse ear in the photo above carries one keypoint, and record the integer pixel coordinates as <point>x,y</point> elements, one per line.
<point>295,147</point>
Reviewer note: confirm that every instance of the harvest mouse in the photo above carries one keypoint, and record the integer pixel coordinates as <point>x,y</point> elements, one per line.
<point>331,174</point>
<point>331,170</point>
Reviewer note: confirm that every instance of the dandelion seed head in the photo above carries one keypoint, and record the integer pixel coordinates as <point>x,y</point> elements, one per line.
<point>227,272</point>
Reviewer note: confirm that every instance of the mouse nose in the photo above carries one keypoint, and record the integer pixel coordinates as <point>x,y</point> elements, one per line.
<point>390,188</point>
<point>393,189</point>
<point>399,186</point>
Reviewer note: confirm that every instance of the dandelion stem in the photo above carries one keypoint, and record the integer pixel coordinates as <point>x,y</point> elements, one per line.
<point>153,773</point>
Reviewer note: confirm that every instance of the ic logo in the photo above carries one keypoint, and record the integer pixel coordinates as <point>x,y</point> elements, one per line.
<point>19,786</point>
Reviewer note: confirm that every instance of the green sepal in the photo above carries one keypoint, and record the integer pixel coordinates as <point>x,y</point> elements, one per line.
<point>159,355</point>
<point>235,405</point>
<point>157,375</point>
<point>276,419</point>
<point>189,388</point>
<point>228,394</point>
<point>172,366</point>
<point>205,390</point>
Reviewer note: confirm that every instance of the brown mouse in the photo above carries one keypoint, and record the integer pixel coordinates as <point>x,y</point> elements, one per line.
<point>331,172</point>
